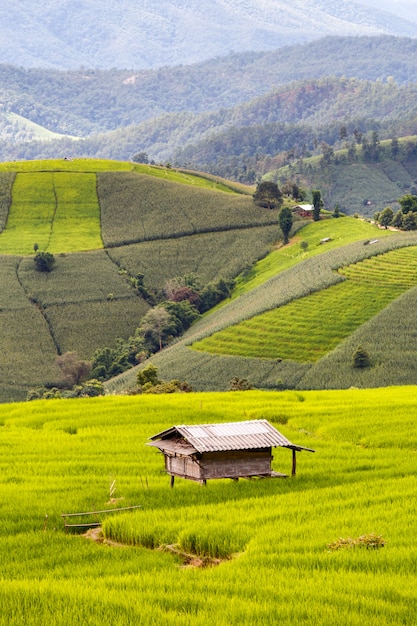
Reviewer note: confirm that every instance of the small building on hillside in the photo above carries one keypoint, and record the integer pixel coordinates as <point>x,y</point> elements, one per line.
<point>231,450</point>
<point>304,210</point>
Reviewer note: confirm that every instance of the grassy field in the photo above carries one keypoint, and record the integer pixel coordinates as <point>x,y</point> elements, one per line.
<point>205,371</point>
<point>208,255</point>
<point>58,212</point>
<point>137,208</point>
<point>62,456</point>
<point>85,303</point>
<point>105,165</point>
<point>337,232</point>
<point>162,229</point>
<point>281,333</point>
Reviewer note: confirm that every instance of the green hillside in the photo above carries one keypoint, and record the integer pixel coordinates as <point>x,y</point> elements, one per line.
<point>358,182</point>
<point>105,221</point>
<point>109,222</point>
<point>276,539</point>
<point>300,331</point>
<point>281,333</point>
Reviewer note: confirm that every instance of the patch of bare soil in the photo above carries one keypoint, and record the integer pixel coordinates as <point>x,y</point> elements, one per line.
<point>96,535</point>
<point>191,560</point>
<point>188,560</point>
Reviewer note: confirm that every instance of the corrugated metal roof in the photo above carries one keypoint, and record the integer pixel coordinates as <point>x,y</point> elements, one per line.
<point>174,447</point>
<point>247,435</point>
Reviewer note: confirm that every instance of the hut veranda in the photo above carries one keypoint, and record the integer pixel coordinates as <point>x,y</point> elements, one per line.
<point>230,450</point>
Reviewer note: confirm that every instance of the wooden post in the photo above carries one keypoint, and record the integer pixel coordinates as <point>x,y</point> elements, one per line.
<point>172,480</point>
<point>294,463</point>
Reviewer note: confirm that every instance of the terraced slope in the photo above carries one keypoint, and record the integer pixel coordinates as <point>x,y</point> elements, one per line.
<point>180,223</point>
<point>388,336</point>
<point>57,211</point>
<point>308,328</point>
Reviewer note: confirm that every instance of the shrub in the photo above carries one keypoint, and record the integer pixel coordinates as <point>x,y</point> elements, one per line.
<point>361,358</point>
<point>240,384</point>
<point>149,374</point>
<point>173,386</point>
<point>44,261</point>
<point>369,541</point>
<point>90,389</point>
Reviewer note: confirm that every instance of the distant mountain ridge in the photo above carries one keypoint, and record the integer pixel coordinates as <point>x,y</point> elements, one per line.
<point>144,34</point>
<point>84,102</point>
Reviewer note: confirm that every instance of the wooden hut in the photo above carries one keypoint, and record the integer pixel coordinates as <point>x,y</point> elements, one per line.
<point>231,450</point>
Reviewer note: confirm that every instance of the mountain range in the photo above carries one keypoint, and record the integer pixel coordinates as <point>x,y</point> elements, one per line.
<point>203,116</point>
<point>143,34</point>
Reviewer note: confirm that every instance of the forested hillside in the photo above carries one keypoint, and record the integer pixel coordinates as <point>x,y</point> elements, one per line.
<point>202,117</point>
<point>284,127</point>
<point>88,101</point>
<point>362,178</point>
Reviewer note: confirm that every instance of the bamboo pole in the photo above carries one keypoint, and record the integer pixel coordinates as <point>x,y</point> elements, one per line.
<point>126,508</point>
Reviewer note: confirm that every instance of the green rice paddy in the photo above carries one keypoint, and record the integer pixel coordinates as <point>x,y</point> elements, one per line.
<point>54,212</point>
<point>308,328</point>
<point>272,535</point>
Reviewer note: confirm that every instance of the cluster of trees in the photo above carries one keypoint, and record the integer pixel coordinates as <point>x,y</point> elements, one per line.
<point>268,195</point>
<point>182,302</point>
<point>405,218</point>
<point>75,381</point>
<point>148,382</point>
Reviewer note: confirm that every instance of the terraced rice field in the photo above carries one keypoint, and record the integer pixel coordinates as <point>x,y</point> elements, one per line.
<point>55,211</point>
<point>306,329</point>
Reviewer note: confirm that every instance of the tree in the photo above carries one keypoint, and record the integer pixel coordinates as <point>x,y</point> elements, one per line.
<point>140,157</point>
<point>157,325</point>
<point>386,217</point>
<point>408,203</point>
<point>148,376</point>
<point>290,188</point>
<point>317,204</point>
<point>44,261</point>
<point>343,133</point>
<point>183,314</point>
<point>361,358</point>
<point>358,136</point>
<point>398,219</point>
<point>74,370</point>
<point>213,293</point>
<point>285,223</point>
<point>409,221</point>
<point>395,148</point>
<point>268,195</point>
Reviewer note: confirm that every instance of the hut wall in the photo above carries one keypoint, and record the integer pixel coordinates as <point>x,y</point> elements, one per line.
<point>236,463</point>
<point>184,466</point>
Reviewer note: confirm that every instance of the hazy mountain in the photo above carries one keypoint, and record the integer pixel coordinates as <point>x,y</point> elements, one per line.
<point>402,8</point>
<point>90,101</point>
<point>142,33</point>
